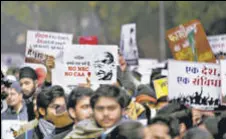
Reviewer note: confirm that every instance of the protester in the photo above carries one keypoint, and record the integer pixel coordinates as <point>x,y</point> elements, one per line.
<point>53,116</point>
<point>107,103</point>
<point>17,109</point>
<point>29,84</point>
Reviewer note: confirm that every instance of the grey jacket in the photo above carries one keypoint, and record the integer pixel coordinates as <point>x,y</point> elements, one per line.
<point>10,114</point>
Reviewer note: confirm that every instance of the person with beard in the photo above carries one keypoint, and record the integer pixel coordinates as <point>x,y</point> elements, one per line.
<point>29,84</point>
<point>108,103</point>
<point>53,116</point>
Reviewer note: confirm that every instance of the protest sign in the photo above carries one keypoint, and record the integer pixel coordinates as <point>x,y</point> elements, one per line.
<point>50,43</point>
<point>218,45</point>
<point>128,44</point>
<point>161,87</point>
<point>188,42</point>
<point>92,40</point>
<point>195,84</point>
<point>8,126</point>
<point>33,56</point>
<point>223,82</point>
<point>98,64</point>
<point>145,69</point>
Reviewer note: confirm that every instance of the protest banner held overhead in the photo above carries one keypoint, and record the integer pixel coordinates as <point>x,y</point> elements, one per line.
<point>218,45</point>
<point>50,43</point>
<point>223,82</point>
<point>128,44</point>
<point>98,64</point>
<point>195,84</point>
<point>189,42</point>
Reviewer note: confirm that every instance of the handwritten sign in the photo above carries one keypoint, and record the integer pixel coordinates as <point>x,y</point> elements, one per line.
<point>128,44</point>
<point>218,45</point>
<point>50,43</point>
<point>188,42</point>
<point>195,84</point>
<point>223,80</point>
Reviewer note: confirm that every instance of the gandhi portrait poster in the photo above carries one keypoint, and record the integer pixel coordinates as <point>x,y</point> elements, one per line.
<point>98,64</point>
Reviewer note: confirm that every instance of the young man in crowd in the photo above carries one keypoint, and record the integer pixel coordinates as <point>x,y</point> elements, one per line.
<point>78,106</point>
<point>53,116</point>
<point>108,103</point>
<point>17,109</point>
<point>29,84</point>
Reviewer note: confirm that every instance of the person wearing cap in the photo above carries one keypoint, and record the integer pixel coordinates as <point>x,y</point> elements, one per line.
<point>17,109</point>
<point>29,84</point>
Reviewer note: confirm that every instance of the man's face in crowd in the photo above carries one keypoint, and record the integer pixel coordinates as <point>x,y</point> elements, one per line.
<point>157,131</point>
<point>28,86</point>
<point>107,112</point>
<point>57,113</point>
<point>14,97</point>
<point>82,109</point>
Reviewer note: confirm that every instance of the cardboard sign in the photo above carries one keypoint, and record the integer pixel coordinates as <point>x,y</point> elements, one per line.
<point>161,87</point>
<point>98,64</point>
<point>223,82</point>
<point>128,44</point>
<point>92,40</point>
<point>218,45</point>
<point>50,43</point>
<point>195,84</point>
<point>8,126</point>
<point>188,42</point>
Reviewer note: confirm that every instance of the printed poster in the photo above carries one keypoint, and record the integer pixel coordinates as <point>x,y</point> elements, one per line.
<point>161,87</point>
<point>195,84</point>
<point>82,62</point>
<point>218,45</point>
<point>50,43</point>
<point>223,80</point>
<point>188,42</point>
<point>128,44</point>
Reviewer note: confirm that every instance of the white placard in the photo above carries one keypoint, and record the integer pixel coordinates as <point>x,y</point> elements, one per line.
<point>128,44</point>
<point>50,43</point>
<point>97,63</point>
<point>8,126</point>
<point>223,82</point>
<point>195,84</point>
<point>218,45</point>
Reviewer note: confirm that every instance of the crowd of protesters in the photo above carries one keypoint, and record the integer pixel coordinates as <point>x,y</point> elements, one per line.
<point>126,109</point>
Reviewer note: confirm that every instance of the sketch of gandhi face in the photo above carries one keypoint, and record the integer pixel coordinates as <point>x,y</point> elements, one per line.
<point>103,66</point>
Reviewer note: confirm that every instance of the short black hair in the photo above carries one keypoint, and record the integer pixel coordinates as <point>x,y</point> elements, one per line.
<point>109,91</point>
<point>127,130</point>
<point>48,95</point>
<point>77,94</point>
<point>171,122</point>
<point>196,133</point>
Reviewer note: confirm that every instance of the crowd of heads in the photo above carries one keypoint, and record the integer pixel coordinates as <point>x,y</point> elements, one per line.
<point>123,110</point>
